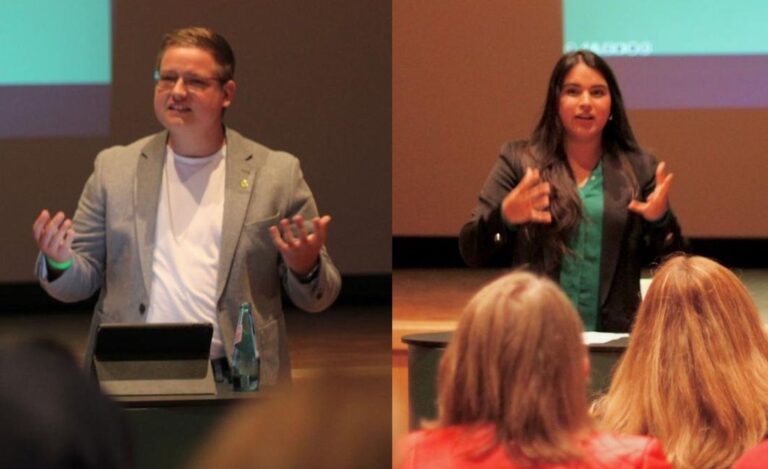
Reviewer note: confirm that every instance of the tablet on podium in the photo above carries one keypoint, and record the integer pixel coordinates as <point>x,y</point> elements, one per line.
<point>154,359</point>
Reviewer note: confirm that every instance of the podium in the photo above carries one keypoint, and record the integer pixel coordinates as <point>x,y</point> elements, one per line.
<point>167,430</point>
<point>154,359</point>
<point>161,375</point>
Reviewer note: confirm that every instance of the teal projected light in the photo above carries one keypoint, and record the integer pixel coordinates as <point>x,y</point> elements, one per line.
<point>55,68</point>
<point>677,54</point>
<point>54,42</point>
<point>666,27</point>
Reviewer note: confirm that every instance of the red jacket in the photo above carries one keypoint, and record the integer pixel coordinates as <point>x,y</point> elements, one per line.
<point>451,447</point>
<point>755,458</point>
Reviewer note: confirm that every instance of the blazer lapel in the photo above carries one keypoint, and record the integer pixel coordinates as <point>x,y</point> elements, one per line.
<point>240,174</point>
<point>149,177</point>
<point>614,221</point>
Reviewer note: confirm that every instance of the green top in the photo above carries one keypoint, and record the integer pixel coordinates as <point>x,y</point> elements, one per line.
<point>580,272</point>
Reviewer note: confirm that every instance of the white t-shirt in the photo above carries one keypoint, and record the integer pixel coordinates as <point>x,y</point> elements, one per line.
<point>185,262</point>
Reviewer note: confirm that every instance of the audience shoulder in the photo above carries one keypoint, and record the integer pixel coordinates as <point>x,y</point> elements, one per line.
<point>442,447</point>
<point>754,458</point>
<point>405,453</point>
<point>629,450</point>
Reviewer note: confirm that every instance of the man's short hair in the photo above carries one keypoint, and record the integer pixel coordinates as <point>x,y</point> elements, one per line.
<point>203,38</point>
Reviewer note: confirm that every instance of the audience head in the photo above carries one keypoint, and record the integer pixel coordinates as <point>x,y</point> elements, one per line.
<point>517,361</point>
<point>695,374</point>
<point>53,416</point>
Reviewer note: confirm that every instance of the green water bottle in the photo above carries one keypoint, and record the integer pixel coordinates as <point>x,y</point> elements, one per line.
<point>246,363</point>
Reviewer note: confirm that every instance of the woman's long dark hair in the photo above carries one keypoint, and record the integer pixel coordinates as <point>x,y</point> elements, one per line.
<point>548,153</point>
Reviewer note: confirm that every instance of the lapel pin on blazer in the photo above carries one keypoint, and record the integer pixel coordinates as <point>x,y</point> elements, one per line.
<point>244,183</point>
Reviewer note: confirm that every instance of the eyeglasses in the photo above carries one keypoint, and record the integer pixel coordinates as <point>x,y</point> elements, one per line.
<point>192,83</point>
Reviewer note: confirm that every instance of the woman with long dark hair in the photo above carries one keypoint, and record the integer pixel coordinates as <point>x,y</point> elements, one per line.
<point>580,201</point>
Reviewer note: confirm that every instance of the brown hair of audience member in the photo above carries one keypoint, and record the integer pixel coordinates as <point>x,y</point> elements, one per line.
<point>695,374</point>
<point>517,361</point>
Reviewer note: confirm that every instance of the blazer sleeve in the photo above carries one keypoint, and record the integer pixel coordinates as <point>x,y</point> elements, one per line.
<point>487,239</point>
<point>85,276</point>
<point>323,289</point>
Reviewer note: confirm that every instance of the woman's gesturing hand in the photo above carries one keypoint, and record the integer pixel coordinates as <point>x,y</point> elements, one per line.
<point>657,203</point>
<point>528,201</point>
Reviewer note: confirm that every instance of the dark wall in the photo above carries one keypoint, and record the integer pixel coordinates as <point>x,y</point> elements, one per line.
<point>314,79</point>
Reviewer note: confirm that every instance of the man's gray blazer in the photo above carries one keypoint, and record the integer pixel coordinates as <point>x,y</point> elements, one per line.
<point>115,232</point>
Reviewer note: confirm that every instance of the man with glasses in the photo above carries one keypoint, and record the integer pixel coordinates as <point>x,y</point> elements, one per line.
<point>187,224</point>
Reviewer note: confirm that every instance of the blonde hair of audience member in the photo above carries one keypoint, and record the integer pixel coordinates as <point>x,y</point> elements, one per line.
<point>517,361</point>
<point>695,373</point>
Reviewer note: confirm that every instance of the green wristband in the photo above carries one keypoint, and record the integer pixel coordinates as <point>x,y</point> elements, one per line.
<point>59,265</point>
